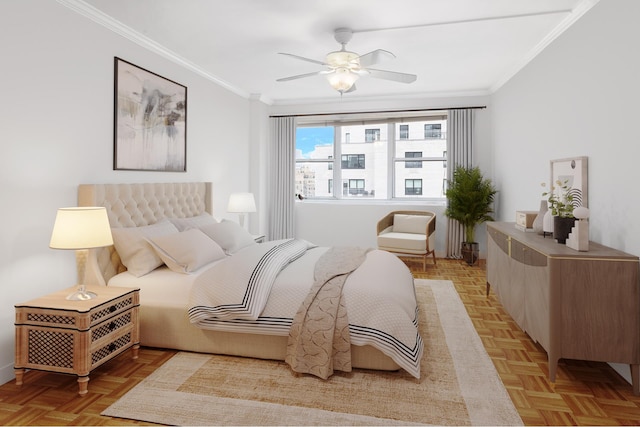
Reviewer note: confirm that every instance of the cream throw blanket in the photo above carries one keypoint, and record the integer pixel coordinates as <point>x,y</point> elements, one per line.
<point>319,340</point>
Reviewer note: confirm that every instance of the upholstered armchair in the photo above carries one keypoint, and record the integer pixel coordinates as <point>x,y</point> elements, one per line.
<point>409,233</point>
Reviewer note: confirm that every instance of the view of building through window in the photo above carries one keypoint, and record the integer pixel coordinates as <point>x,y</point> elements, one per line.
<point>377,161</point>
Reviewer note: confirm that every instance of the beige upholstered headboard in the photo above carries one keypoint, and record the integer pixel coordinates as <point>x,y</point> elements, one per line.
<point>136,205</point>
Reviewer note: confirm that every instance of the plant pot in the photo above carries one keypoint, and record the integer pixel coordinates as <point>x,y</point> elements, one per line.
<point>562,227</point>
<point>470,252</point>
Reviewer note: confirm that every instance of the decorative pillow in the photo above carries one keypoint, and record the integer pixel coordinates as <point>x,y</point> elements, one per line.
<point>403,223</point>
<point>183,224</point>
<point>229,235</point>
<point>186,251</point>
<point>134,250</point>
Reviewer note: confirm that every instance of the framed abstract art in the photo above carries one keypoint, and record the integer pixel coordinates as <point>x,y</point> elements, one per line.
<point>150,120</point>
<point>573,171</point>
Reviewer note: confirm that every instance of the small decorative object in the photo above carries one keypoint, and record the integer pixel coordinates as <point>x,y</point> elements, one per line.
<point>579,237</point>
<point>538,222</point>
<point>561,205</point>
<point>525,219</point>
<point>562,226</point>
<point>150,129</point>
<point>547,224</point>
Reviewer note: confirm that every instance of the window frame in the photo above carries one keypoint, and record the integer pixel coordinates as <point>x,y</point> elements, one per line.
<point>393,127</point>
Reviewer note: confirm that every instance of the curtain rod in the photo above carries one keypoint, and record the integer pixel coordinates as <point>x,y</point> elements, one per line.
<point>478,107</point>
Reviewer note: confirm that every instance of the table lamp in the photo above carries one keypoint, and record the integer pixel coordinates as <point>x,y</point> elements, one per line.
<point>81,229</point>
<point>241,203</point>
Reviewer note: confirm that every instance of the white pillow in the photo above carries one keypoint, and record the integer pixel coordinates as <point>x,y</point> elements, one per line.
<point>186,251</point>
<point>134,250</point>
<point>403,223</point>
<point>183,224</point>
<point>229,235</point>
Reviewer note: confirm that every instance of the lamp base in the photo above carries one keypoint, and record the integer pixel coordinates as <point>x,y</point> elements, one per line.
<point>81,295</point>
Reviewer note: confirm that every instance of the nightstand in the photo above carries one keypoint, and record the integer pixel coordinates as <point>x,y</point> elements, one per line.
<point>74,337</point>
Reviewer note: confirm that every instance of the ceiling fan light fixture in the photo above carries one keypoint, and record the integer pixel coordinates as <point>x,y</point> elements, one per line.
<point>342,79</point>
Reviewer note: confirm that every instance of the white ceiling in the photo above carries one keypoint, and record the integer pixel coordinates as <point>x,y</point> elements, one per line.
<point>455,47</point>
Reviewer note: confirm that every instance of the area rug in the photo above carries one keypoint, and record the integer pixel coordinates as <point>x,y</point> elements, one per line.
<point>458,386</point>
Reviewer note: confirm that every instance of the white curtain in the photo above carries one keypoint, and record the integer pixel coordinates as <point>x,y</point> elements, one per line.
<point>460,131</point>
<point>281,189</point>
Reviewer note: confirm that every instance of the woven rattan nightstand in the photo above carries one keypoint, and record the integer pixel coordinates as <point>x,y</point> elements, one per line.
<point>74,337</point>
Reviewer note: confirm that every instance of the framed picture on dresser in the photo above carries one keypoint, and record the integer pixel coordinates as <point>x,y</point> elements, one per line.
<point>573,171</point>
<point>150,120</point>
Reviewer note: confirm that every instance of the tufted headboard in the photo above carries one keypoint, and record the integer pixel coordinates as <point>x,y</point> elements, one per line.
<point>136,205</point>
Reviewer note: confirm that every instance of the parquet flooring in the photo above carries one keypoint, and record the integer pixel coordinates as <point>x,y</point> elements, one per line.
<point>585,393</point>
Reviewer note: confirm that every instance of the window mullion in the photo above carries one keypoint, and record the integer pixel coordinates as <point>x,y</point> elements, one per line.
<point>337,162</point>
<point>391,165</point>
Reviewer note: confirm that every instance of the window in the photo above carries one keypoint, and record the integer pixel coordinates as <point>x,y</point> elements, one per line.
<point>371,135</point>
<point>379,160</point>
<point>410,154</point>
<point>352,161</point>
<point>404,131</point>
<point>356,187</point>
<point>432,130</point>
<point>413,187</point>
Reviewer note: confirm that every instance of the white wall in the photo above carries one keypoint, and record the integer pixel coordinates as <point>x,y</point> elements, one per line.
<point>56,117</point>
<point>579,97</point>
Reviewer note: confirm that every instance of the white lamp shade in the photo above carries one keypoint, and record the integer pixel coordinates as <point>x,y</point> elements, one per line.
<point>81,228</point>
<point>241,203</point>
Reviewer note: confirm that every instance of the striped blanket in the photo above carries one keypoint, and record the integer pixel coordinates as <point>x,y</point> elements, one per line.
<point>259,289</point>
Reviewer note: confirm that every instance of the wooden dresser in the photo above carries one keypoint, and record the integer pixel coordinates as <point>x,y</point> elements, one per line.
<point>576,305</point>
<point>74,337</point>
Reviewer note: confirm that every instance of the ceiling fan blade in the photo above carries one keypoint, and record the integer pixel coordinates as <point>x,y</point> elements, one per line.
<point>374,57</point>
<point>302,58</point>
<point>301,76</point>
<point>392,75</point>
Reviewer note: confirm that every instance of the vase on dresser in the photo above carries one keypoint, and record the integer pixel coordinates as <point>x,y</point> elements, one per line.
<point>562,227</point>
<point>538,222</point>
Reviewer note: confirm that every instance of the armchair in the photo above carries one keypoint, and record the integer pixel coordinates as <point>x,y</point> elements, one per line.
<point>408,233</point>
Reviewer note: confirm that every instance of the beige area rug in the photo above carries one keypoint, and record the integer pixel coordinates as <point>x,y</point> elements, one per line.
<point>458,386</point>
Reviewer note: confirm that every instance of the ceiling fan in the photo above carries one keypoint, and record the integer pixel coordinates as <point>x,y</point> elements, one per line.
<point>345,67</point>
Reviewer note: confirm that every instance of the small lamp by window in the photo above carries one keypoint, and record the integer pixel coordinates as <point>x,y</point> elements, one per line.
<point>81,229</point>
<point>241,203</point>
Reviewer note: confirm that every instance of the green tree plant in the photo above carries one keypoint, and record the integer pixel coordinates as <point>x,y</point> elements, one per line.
<point>470,199</point>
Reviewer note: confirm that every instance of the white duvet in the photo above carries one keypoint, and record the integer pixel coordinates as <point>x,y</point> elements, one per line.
<point>379,296</point>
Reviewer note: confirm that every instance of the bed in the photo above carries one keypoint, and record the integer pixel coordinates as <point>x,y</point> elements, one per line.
<point>165,295</point>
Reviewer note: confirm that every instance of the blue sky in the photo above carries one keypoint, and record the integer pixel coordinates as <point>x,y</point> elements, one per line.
<point>308,138</point>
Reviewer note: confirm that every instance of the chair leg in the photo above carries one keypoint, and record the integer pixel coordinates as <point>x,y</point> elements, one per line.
<point>434,257</point>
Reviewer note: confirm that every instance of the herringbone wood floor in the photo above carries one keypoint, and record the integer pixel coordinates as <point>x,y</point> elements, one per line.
<point>585,393</point>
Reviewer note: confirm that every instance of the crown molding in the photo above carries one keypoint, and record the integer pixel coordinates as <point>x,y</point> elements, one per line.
<point>582,8</point>
<point>118,27</point>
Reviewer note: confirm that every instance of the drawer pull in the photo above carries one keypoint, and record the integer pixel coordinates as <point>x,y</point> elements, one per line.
<point>112,326</point>
<point>112,308</point>
<point>112,347</point>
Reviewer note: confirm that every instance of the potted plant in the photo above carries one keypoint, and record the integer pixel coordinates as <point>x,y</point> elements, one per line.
<point>561,207</point>
<point>470,199</point>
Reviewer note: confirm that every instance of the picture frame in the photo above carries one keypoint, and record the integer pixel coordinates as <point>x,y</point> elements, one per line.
<point>575,172</point>
<point>150,120</point>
